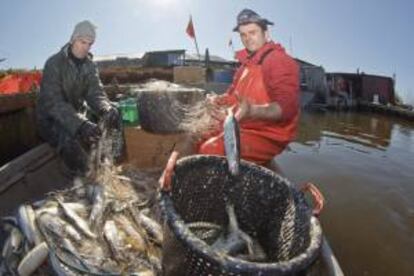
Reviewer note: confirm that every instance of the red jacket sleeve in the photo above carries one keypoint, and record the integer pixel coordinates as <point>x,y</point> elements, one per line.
<point>281,77</point>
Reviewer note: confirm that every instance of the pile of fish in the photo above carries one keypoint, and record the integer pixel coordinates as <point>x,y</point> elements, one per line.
<point>109,223</point>
<point>108,226</point>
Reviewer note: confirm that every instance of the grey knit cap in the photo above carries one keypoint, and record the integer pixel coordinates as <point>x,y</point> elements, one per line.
<point>84,29</point>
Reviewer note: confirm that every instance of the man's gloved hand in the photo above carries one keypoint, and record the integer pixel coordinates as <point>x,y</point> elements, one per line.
<point>111,118</point>
<point>89,133</point>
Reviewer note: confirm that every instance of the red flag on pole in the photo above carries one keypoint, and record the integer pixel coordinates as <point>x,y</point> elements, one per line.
<point>191,33</point>
<point>190,28</point>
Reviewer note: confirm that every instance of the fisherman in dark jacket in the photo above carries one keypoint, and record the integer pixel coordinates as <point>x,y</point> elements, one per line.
<point>71,86</point>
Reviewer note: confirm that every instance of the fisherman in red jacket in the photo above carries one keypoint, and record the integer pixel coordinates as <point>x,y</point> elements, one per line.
<point>265,92</point>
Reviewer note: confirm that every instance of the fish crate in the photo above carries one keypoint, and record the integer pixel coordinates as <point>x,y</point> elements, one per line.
<point>267,207</point>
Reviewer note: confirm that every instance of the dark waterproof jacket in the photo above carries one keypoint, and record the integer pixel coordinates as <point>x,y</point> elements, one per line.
<point>64,90</point>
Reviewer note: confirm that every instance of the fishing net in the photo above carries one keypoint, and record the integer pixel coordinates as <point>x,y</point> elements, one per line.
<point>267,208</point>
<point>161,110</point>
<point>202,118</point>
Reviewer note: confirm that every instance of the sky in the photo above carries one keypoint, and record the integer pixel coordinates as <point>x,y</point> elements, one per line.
<point>376,37</point>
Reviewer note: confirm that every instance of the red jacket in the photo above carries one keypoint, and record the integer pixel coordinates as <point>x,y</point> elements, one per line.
<point>280,75</point>
<point>267,76</point>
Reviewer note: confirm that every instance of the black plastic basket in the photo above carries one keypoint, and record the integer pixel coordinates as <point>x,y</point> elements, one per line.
<point>267,208</point>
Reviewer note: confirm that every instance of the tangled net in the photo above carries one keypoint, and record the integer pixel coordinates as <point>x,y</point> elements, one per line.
<point>202,118</point>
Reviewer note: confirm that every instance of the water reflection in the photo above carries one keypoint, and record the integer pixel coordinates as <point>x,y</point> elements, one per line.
<point>363,129</point>
<point>363,164</point>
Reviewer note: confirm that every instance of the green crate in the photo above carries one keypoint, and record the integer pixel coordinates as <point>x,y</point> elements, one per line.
<point>129,111</point>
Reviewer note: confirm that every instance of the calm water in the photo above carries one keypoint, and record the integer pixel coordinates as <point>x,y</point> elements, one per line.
<point>364,165</point>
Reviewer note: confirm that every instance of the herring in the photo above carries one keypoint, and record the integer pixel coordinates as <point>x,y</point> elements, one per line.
<point>26,218</point>
<point>58,226</point>
<point>232,143</point>
<point>234,240</point>
<point>76,219</point>
<point>151,227</point>
<point>33,259</point>
<point>98,207</point>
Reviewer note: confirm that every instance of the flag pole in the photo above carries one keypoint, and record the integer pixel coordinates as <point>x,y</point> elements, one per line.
<point>195,38</point>
<point>232,47</point>
<point>196,45</point>
<point>191,33</point>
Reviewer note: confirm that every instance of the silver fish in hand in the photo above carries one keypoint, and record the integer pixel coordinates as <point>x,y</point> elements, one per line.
<point>232,143</point>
